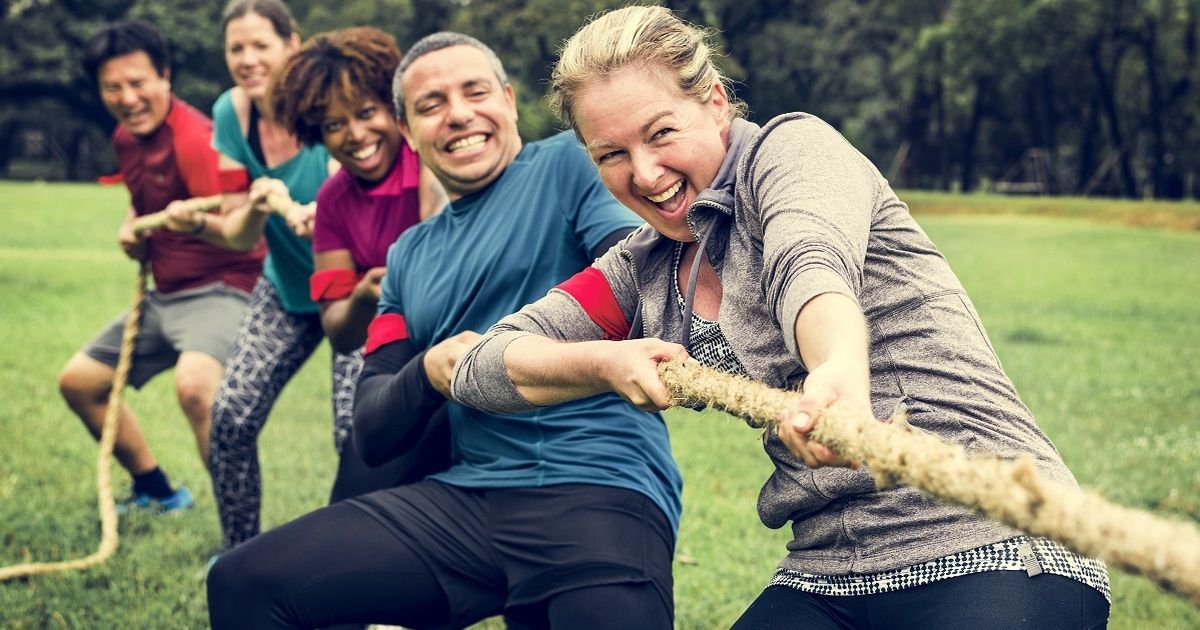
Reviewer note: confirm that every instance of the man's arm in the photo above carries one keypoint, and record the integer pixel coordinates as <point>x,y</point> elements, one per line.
<point>132,242</point>
<point>397,395</point>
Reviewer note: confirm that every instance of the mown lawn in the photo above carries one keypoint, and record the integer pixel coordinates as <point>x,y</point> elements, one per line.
<point>1098,324</point>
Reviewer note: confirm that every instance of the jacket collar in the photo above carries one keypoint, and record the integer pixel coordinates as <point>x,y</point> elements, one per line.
<point>720,193</point>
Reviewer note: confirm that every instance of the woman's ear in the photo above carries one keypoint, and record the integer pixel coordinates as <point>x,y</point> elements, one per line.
<point>719,100</point>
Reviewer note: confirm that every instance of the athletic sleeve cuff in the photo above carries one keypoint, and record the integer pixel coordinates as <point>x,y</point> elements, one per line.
<point>814,281</point>
<point>332,284</point>
<point>594,294</point>
<point>234,180</point>
<point>481,378</point>
<point>385,329</point>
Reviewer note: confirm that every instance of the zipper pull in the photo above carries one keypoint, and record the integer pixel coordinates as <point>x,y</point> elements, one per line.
<point>1025,552</point>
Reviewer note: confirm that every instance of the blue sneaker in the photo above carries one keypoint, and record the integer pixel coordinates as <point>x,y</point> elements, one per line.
<point>181,499</point>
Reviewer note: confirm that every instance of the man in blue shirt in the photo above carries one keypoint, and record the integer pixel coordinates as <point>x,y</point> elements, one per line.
<point>565,516</point>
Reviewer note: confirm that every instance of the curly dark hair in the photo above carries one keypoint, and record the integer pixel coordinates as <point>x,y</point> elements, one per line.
<point>348,64</point>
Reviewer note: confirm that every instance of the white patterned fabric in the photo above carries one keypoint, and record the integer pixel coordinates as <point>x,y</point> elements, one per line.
<point>271,346</point>
<point>1008,555</point>
<point>708,344</point>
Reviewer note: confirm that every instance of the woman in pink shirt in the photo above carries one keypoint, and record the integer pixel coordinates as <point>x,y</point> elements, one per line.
<point>337,91</point>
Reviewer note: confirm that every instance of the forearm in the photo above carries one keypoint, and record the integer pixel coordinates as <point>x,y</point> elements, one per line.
<point>831,328</point>
<point>547,372</point>
<point>345,322</point>
<point>241,228</point>
<point>211,230</point>
<point>515,371</point>
<point>392,407</point>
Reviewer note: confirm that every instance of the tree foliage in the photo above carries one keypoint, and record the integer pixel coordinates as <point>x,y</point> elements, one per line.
<point>1063,96</point>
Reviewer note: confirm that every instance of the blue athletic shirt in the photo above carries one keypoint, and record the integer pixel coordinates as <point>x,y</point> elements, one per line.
<point>487,255</point>
<point>289,260</point>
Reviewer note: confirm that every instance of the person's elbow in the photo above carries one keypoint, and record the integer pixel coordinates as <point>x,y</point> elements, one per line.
<point>344,341</point>
<point>240,242</point>
<point>372,453</point>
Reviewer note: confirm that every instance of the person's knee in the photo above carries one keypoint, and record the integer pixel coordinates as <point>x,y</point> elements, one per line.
<point>197,376</point>
<point>235,583</point>
<point>196,398</point>
<point>83,380</point>
<point>224,579</point>
<point>622,605</point>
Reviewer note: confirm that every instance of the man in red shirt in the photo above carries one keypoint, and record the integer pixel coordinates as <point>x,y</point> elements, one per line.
<point>164,151</point>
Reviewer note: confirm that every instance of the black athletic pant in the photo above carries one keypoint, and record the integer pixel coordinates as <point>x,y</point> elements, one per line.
<point>340,565</point>
<point>995,600</point>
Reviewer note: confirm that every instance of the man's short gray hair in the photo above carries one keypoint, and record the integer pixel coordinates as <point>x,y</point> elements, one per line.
<point>432,43</point>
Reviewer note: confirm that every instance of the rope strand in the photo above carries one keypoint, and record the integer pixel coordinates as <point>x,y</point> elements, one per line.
<point>108,438</point>
<point>1167,552</point>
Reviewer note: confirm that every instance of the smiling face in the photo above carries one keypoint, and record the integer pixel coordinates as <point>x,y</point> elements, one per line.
<point>656,149</point>
<point>135,93</point>
<point>460,119</point>
<point>363,137</point>
<point>254,51</point>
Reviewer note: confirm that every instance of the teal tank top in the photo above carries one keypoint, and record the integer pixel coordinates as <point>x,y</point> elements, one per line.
<point>289,258</point>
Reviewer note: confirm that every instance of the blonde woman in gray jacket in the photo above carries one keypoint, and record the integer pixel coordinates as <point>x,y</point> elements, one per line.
<point>781,253</point>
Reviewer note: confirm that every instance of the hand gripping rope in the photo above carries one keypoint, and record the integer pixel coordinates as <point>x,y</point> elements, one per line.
<point>1164,551</point>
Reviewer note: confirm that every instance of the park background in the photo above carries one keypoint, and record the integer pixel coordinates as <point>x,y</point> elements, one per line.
<point>1092,302</point>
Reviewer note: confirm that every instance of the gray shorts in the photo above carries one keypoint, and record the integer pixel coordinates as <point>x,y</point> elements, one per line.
<point>202,319</point>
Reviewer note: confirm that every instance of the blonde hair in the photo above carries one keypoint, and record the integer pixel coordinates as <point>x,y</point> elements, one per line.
<point>647,37</point>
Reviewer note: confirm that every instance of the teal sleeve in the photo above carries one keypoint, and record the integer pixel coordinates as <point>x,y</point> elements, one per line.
<point>227,133</point>
<point>389,294</point>
<point>593,212</point>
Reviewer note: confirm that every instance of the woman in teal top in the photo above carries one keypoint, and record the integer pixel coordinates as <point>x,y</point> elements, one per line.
<point>282,325</point>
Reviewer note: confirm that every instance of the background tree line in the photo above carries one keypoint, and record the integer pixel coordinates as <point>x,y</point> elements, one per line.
<point>1057,96</point>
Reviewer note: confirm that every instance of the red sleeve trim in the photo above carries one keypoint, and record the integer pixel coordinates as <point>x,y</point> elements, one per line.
<point>332,284</point>
<point>195,158</point>
<point>234,180</point>
<point>385,329</point>
<point>591,289</point>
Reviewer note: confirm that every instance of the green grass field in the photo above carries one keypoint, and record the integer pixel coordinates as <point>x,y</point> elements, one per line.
<point>1098,324</point>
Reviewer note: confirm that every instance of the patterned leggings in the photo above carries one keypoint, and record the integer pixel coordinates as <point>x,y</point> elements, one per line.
<point>270,347</point>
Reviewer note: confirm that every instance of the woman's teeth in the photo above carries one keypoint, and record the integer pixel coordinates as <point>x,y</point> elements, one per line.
<point>365,152</point>
<point>666,194</point>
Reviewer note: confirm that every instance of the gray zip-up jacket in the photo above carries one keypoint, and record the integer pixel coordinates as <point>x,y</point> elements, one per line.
<point>795,212</point>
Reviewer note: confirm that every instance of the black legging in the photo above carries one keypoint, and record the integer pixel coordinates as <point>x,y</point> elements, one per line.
<point>296,579</point>
<point>995,600</point>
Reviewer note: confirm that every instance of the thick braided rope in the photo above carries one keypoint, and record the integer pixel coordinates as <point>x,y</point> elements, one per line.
<point>108,438</point>
<point>1164,551</point>
<point>155,220</point>
<point>145,223</point>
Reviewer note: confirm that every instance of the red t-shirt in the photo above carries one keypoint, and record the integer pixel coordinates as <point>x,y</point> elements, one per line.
<point>178,161</point>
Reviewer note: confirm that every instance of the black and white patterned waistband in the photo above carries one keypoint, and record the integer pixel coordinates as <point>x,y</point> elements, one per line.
<point>1024,553</point>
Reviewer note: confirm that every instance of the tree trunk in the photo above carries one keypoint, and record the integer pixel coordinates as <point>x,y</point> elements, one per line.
<point>939,104</point>
<point>1046,81</point>
<point>1106,82</point>
<point>1149,45</point>
<point>971,137</point>
<point>1087,146</point>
